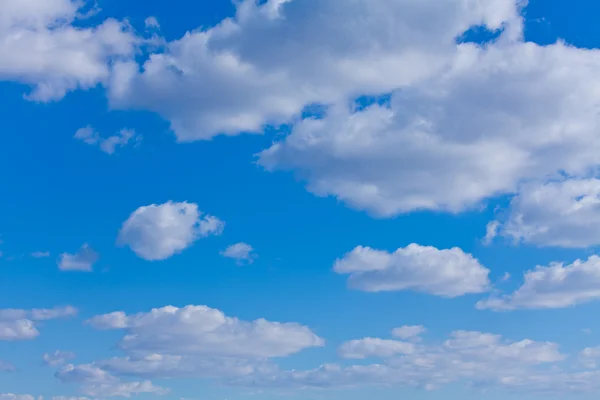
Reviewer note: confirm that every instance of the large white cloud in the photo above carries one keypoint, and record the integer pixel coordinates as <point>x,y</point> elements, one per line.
<point>41,45</point>
<point>271,60</point>
<point>19,324</point>
<point>562,213</point>
<point>206,331</point>
<point>158,231</point>
<point>447,273</point>
<point>553,286</point>
<point>499,115</point>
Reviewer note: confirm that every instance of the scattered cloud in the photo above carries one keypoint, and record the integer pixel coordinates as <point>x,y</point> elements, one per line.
<point>57,358</point>
<point>242,253</point>
<point>107,144</point>
<point>590,357</point>
<point>40,254</point>
<point>157,232</point>
<point>12,396</point>
<point>82,261</point>
<point>553,286</point>
<point>18,324</point>
<point>98,383</point>
<point>446,273</point>
<point>472,358</point>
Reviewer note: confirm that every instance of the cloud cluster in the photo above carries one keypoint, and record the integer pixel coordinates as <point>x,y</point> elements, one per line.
<point>467,357</point>
<point>158,231</point>
<point>446,273</point>
<point>18,324</point>
<point>57,358</point>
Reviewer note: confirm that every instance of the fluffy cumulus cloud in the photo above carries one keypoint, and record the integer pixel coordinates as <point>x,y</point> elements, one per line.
<point>203,330</point>
<point>446,273</point>
<point>590,357</point>
<point>107,144</point>
<point>158,231</point>
<point>57,358</point>
<point>42,44</point>
<point>561,213</point>
<point>193,342</point>
<point>18,324</point>
<point>242,253</point>
<point>222,80</point>
<point>553,286</point>
<point>82,261</point>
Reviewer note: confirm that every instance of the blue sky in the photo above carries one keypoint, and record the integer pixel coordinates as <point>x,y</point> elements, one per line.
<point>202,200</point>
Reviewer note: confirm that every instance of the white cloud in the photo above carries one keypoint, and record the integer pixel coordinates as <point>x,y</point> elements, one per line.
<point>491,231</point>
<point>409,332</point>
<point>82,261</point>
<point>499,115</point>
<point>40,254</point>
<point>590,357</point>
<point>98,383</point>
<point>18,324</point>
<point>42,44</point>
<point>471,358</point>
<point>206,331</point>
<point>151,23</point>
<point>156,232</point>
<point>553,286</point>
<point>57,358</point>
<point>560,213</point>
<point>107,144</point>
<point>374,347</point>
<point>222,80</point>
<point>240,252</point>
<point>446,273</point>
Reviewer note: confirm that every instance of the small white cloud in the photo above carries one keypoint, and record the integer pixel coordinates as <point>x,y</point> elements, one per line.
<point>157,232</point>
<point>446,273</point>
<point>553,286</point>
<point>409,332</point>
<point>240,252</point>
<point>587,331</point>
<point>107,144</point>
<point>40,254</point>
<point>57,358</point>
<point>151,23</point>
<point>82,261</point>
<point>491,232</point>
<point>374,347</point>
<point>590,357</point>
